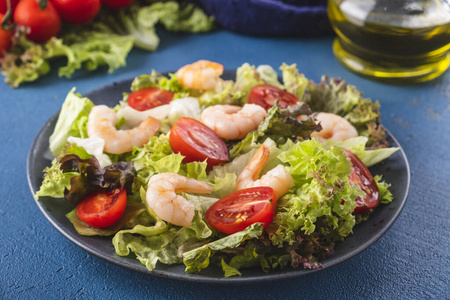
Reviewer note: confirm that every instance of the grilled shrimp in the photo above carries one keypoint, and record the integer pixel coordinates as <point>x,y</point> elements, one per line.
<point>334,127</point>
<point>200,75</point>
<point>162,197</point>
<point>101,124</point>
<point>277,178</point>
<point>233,122</point>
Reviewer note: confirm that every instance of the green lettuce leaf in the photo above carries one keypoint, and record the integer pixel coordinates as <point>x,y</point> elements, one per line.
<point>153,240</point>
<point>176,17</point>
<point>229,270</point>
<point>294,82</point>
<point>269,75</point>
<point>71,121</point>
<point>324,194</point>
<point>197,259</point>
<point>223,93</point>
<point>155,79</point>
<point>55,181</point>
<point>249,257</point>
<point>154,157</point>
<point>383,187</point>
<point>358,147</point>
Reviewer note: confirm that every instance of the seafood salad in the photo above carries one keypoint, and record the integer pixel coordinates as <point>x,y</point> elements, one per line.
<point>263,171</point>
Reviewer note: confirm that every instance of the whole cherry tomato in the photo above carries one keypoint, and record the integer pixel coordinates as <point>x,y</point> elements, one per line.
<point>76,11</point>
<point>197,142</point>
<point>266,95</point>
<point>242,208</point>
<point>147,98</point>
<point>5,39</point>
<point>116,4</point>
<point>102,208</point>
<point>361,175</point>
<point>42,23</point>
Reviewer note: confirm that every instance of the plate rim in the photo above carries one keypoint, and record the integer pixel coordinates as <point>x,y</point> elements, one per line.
<point>286,273</point>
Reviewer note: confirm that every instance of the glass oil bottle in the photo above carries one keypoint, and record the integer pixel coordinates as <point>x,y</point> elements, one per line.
<point>398,41</point>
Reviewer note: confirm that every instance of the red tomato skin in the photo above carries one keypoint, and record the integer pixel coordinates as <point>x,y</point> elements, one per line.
<point>266,95</point>
<point>5,39</point>
<point>4,5</point>
<point>75,11</point>
<point>116,4</point>
<point>148,98</point>
<point>43,23</point>
<point>102,208</point>
<point>361,175</point>
<point>240,209</point>
<point>197,142</point>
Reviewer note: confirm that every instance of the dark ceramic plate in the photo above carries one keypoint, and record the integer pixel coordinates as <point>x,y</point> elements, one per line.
<point>395,170</point>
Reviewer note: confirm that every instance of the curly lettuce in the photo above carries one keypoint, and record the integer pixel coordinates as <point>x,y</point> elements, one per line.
<point>323,194</point>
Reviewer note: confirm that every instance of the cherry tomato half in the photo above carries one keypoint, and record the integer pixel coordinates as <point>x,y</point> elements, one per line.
<point>116,4</point>
<point>5,39</point>
<point>361,175</point>
<point>43,23</point>
<point>197,142</point>
<point>75,11</point>
<point>266,95</point>
<point>102,208</point>
<point>242,208</point>
<point>147,98</point>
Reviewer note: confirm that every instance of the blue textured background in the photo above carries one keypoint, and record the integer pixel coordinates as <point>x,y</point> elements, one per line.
<point>411,261</point>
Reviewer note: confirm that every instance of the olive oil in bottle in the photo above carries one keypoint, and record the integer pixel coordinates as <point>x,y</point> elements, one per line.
<point>399,41</point>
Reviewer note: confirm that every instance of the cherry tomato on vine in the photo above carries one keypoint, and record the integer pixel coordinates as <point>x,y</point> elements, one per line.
<point>242,208</point>
<point>361,175</point>
<point>42,23</point>
<point>197,142</point>
<point>4,5</point>
<point>147,98</point>
<point>116,4</point>
<point>102,208</point>
<point>76,11</point>
<point>266,95</point>
<point>5,39</point>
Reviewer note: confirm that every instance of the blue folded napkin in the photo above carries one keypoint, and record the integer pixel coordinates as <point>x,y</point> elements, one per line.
<point>306,18</point>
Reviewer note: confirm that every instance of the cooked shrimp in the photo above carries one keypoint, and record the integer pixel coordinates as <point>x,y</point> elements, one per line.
<point>201,75</point>
<point>101,124</point>
<point>277,178</point>
<point>162,197</point>
<point>233,122</point>
<point>334,127</point>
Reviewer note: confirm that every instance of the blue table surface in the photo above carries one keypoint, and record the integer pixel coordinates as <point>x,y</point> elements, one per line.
<point>411,261</point>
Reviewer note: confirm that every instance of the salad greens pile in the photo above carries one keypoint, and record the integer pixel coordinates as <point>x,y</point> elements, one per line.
<point>104,42</point>
<point>316,213</point>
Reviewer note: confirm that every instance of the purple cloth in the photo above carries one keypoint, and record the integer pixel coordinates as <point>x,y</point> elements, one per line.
<point>306,18</point>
